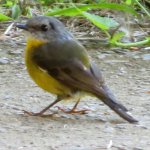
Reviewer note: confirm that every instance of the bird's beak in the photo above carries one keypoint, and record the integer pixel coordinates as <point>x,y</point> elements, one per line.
<point>22,26</point>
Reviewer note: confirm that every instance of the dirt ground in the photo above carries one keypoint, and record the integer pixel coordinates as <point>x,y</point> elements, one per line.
<point>126,72</point>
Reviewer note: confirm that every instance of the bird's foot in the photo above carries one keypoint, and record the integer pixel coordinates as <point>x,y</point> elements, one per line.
<point>73,111</point>
<point>40,114</point>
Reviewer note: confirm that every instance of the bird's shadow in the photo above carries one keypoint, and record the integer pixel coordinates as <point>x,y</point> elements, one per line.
<point>70,118</point>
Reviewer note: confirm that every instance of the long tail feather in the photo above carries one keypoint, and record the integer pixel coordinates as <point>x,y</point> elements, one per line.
<point>108,98</point>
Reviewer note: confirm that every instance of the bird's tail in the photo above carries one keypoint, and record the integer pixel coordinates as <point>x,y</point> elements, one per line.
<point>108,98</point>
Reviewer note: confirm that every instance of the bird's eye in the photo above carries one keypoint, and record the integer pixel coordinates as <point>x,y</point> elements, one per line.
<point>44,27</point>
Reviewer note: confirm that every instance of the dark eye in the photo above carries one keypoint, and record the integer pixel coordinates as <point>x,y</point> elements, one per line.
<point>44,27</point>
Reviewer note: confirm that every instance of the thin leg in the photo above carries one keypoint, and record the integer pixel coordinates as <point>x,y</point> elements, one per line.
<point>41,113</point>
<point>73,110</point>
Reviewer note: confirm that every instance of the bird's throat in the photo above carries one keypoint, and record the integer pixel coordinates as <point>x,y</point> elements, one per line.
<point>32,43</point>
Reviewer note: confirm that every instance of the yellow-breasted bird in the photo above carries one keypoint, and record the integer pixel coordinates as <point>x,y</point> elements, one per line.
<point>59,64</point>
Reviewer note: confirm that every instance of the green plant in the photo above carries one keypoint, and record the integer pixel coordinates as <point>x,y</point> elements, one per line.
<point>84,8</point>
<point>4,17</point>
<point>104,23</point>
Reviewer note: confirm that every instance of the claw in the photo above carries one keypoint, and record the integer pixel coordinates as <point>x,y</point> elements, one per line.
<point>73,111</point>
<point>38,114</point>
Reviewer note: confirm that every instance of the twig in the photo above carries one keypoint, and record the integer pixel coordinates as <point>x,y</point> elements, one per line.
<point>88,38</point>
<point>142,7</point>
<point>9,28</point>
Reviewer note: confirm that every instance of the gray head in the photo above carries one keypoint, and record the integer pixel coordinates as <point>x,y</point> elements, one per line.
<point>45,28</point>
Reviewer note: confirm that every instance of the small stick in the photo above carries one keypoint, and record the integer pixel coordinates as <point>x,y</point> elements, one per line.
<point>9,28</point>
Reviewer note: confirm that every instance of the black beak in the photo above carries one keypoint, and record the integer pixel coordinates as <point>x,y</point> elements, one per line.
<point>22,26</point>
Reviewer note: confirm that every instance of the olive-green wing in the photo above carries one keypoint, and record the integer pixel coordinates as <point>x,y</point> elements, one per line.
<point>68,62</point>
<point>75,73</point>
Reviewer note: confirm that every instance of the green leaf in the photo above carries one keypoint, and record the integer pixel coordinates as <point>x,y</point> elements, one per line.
<point>4,17</point>
<point>29,12</point>
<point>116,37</point>
<point>16,12</point>
<point>64,12</point>
<point>104,23</point>
<point>8,4</point>
<point>72,11</point>
<point>128,2</point>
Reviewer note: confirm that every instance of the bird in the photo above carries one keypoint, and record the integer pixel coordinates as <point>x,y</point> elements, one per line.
<point>61,65</point>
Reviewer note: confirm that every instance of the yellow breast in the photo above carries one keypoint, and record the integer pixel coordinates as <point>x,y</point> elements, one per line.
<point>40,76</point>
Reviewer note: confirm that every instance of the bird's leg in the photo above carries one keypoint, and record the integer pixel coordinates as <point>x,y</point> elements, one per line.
<point>73,110</point>
<point>41,113</point>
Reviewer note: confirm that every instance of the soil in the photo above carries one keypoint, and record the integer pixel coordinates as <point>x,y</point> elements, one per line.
<point>126,72</point>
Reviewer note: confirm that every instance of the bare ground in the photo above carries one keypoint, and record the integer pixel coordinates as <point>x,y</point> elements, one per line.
<point>127,74</point>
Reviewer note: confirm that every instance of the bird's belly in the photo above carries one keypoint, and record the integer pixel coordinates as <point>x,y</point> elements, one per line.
<point>44,80</point>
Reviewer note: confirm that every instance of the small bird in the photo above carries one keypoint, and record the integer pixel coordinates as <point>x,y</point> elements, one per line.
<point>59,64</point>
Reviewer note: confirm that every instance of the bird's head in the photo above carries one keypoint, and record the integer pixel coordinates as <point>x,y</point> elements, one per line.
<point>45,29</point>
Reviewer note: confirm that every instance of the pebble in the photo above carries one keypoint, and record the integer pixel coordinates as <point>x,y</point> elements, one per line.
<point>121,71</point>
<point>147,48</point>
<point>137,148</point>
<point>4,61</point>
<point>120,51</point>
<point>136,57</point>
<point>107,52</point>
<point>120,126</point>
<point>16,52</point>
<point>102,56</point>
<point>146,57</point>
<point>7,97</point>
<point>2,130</point>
